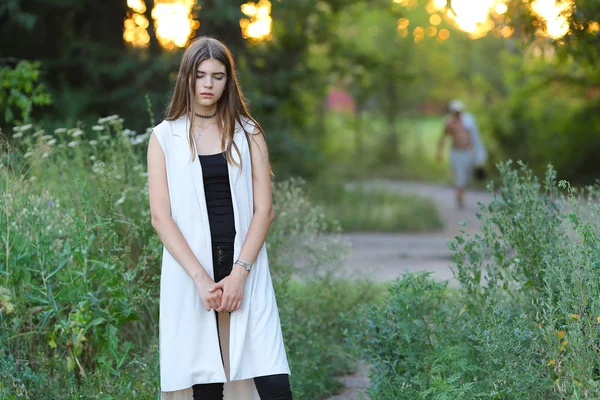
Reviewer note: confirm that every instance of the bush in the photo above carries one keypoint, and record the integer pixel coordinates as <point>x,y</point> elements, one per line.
<point>20,91</point>
<point>413,342</point>
<point>525,323</point>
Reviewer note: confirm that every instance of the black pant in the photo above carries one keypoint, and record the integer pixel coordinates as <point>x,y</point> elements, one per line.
<point>270,387</point>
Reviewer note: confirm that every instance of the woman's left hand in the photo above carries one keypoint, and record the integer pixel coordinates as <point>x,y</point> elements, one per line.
<point>233,289</point>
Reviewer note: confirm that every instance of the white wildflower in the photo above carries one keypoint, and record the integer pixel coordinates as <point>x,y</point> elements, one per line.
<point>39,133</point>
<point>104,138</point>
<point>52,142</point>
<point>28,154</point>
<point>143,174</point>
<point>118,177</point>
<point>97,167</point>
<point>140,139</point>
<point>128,132</point>
<point>31,179</point>
<point>93,142</point>
<point>121,200</point>
<point>92,158</point>
<point>77,132</point>
<point>47,137</point>
<point>108,119</point>
<point>97,128</point>
<point>22,128</point>
<point>74,143</point>
<point>18,135</point>
<point>60,130</point>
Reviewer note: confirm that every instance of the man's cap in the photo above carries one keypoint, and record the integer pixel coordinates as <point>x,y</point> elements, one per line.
<point>456,106</point>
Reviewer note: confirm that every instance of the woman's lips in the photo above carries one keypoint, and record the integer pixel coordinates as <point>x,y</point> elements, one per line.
<point>206,94</point>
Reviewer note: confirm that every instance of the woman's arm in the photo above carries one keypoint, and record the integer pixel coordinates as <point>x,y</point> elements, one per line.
<point>259,226</point>
<point>167,229</point>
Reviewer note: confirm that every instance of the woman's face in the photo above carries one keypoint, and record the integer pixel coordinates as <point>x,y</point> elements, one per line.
<point>211,78</point>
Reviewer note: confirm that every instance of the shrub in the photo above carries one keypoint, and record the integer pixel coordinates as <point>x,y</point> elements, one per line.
<point>525,322</point>
<point>20,91</point>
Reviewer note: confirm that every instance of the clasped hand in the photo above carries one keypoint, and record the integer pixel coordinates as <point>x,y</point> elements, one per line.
<point>226,295</point>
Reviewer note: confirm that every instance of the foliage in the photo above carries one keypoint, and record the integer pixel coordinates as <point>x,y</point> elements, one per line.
<point>547,116</point>
<point>580,43</point>
<point>81,263</point>
<point>412,342</point>
<point>524,322</point>
<point>20,90</point>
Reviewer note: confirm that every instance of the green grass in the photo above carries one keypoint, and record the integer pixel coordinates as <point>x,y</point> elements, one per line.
<point>377,210</point>
<point>416,140</point>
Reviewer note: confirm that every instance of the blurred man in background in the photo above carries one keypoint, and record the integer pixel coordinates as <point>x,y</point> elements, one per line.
<point>467,150</point>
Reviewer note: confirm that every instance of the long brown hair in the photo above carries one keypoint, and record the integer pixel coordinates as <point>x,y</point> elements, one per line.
<point>231,107</point>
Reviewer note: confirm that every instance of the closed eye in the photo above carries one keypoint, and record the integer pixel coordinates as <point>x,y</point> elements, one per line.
<point>216,76</point>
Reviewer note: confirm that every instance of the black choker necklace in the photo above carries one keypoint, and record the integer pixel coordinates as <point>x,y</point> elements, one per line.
<point>205,116</point>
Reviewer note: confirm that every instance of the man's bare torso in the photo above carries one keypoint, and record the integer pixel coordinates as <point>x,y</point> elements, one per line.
<point>461,140</point>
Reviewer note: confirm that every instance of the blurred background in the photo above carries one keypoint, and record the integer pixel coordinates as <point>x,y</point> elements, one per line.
<point>353,97</point>
<point>353,88</point>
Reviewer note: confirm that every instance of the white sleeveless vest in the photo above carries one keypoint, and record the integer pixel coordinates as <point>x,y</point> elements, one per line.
<point>189,346</point>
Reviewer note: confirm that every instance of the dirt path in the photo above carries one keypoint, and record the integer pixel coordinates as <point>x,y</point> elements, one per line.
<point>384,257</point>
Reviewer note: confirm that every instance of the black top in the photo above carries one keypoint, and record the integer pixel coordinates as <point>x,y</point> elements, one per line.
<point>218,198</point>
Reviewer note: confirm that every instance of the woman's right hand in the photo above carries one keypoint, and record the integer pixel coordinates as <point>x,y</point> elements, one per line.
<point>211,300</point>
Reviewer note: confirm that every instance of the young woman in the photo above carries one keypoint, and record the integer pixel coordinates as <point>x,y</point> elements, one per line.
<point>210,200</point>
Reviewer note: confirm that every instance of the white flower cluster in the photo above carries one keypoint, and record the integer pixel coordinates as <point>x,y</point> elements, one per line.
<point>98,167</point>
<point>110,119</point>
<point>19,130</point>
<point>75,132</point>
<point>22,128</point>
<point>141,138</point>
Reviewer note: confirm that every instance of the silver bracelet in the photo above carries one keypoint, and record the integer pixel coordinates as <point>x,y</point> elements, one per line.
<point>246,266</point>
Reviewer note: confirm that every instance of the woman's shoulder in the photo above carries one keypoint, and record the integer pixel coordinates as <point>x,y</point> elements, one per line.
<point>168,126</point>
<point>248,124</point>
